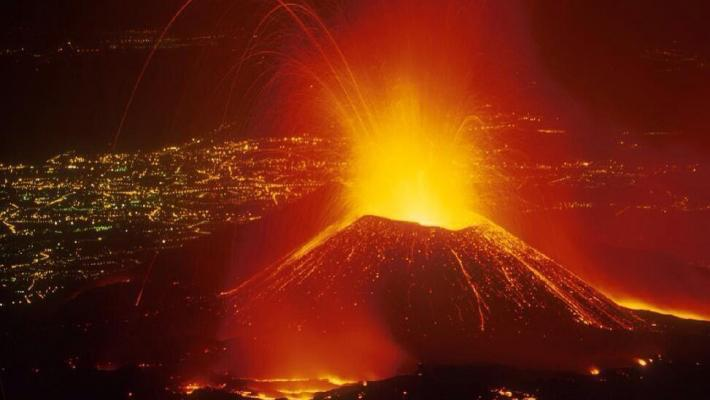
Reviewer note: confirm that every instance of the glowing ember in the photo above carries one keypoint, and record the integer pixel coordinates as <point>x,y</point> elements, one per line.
<point>190,387</point>
<point>270,389</point>
<point>504,393</point>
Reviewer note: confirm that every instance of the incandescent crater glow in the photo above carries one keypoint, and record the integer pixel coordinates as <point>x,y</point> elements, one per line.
<point>414,166</point>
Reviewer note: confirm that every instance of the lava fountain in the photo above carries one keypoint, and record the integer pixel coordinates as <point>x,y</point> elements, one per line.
<point>399,81</point>
<point>402,96</point>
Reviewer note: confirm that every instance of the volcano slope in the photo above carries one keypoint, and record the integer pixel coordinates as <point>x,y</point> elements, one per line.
<point>433,296</point>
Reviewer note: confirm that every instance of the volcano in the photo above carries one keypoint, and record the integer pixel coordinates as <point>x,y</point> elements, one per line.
<point>380,292</point>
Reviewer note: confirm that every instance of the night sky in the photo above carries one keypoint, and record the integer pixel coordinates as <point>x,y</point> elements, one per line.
<point>635,65</point>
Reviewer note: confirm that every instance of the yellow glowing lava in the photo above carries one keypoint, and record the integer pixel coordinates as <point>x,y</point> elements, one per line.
<point>414,165</point>
<point>635,304</point>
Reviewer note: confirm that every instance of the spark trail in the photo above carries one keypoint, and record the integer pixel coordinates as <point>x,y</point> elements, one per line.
<point>144,69</point>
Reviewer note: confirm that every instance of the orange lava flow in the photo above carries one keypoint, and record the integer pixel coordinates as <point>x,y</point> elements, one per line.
<point>641,305</point>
